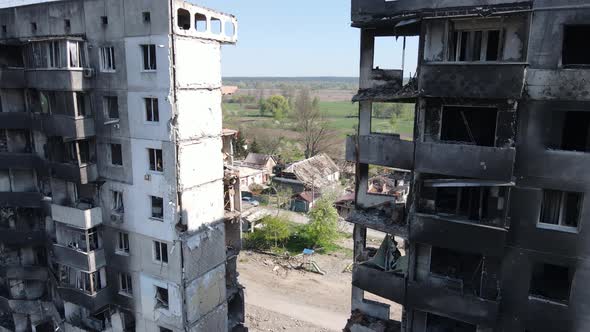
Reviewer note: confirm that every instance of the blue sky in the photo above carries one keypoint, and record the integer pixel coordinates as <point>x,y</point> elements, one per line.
<point>298,38</point>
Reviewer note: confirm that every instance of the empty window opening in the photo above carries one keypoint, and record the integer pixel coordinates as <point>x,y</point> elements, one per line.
<point>561,208</point>
<point>157,207</point>
<point>152,113</point>
<point>390,118</point>
<point>111,107</point>
<point>4,30</point>
<point>435,323</point>
<point>216,26</point>
<point>184,19</point>
<point>389,53</point>
<point>200,22</point>
<point>575,51</point>
<point>469,125</point>
<point>230,28</point>
<point>474,45</point>
<point>11,56</point>
<point>125,284</point>
<point>389,181</point>
<point>456,270</point>
<point>147,17</point>
<point>104,20</point>
<point>82,104</point>
<point>67,25</point>
<point>116,155</point>
<point>574,134</point>
<point>156,162</point>
<point>551,282</point>
<point>117,201</point>
<point>123,243</point>
<point>33,27</point>
<point>160,252</point>
<point>149,57</point>
<point>107,59</point>
<point>161,297</point>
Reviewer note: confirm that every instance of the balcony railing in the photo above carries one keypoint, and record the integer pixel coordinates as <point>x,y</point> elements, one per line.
<point>62,79</point>
<point>87,261</point>
<point>73,172</point>
<point>79,218</point>
<point>382,150</point>
<point>12,78</point>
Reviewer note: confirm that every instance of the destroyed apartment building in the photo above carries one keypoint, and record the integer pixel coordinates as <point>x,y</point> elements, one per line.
<point>109,219</point>
<point>492,236</point>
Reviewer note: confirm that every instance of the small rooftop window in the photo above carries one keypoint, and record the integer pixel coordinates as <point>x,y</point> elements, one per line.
<point>183,18</point>
<point>200,22</point>
<point>104,20</point>
<point>216,26</point>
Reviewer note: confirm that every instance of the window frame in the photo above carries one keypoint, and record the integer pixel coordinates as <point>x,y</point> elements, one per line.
<point>560,225</point>
<point>453,47</point>
<point>108,59</point>
<point>123,247</point>
<point>165,306</point>
<point>125,284</point>
<point>152,198</point>
<point>117,203</point>
<point>152,110</point>
<point>153,153</point>
<point>112,159</point>
<point>106,103</point>
<point>149,61</point>
<point>158,251</point>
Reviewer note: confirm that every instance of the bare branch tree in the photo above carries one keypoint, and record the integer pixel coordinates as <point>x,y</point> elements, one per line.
<point>310,124</point>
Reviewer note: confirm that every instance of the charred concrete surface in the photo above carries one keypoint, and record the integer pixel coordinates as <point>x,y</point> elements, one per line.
<point>109,218</point>
<point>492,236</point>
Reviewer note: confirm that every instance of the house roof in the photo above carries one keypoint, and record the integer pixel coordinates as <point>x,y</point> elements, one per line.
<point>307,196</point>
<point>314,170</point>
<point>248,171</point>
<point>228,132</point>
<point>228,90</point>
<point>256,160</point>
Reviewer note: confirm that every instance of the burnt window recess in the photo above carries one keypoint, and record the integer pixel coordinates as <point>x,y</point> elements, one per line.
<point>104,20</point>
<point>155,159</point>
<point>574,50</point>
<point>444,324</point>
<point>570,131</point>
<point>183,18</point>
<point>147,17</point>
<point>160,252</point>
<point>111,107</point>
<point>67,25</point>
<point>474,45</point>
<point>4,30</point>
<point>391,118</point>
<point>200,22</point>
<point>561,209</point>
<point>117,201</point>
<point>149,57</point>
<point>123,243</point>
<point>82,104</point>
<point>161,297</point>
<point>551,282</point>
<point>116,155</point>
<point>152,113</point>
<point>469,125</point>
<point>125,284</point>
<point>84,152</point>
<point>456,270</point>
<point>157,204</point>
<point>33,27</point>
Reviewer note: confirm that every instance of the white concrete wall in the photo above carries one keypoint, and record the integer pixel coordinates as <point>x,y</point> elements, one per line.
<point>199,113</point>
<point>170,316</point>
<point>203,68</point>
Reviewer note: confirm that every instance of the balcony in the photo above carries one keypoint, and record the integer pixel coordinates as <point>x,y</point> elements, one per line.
<point>471,161</point>
<point>21,199</point>
<point>92,302</point>
<point>86,261</point>
<point>40,308</point>
<point>67,126</point>
<point>12,78</point>
<point>57,79</point>
<point>457,305</point>
<point>79,218</point>
<point>462,235</point>
<point>553,166</point>
<point>72,172</point>
<point>381,221</point>
<point>476,80</point>
<point>391,286</point>
<point>544,315</point>
<point>382,150</point>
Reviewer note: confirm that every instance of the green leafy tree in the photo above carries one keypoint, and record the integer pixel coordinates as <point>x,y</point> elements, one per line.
<point>322,231</point>
<point>277,106</point>
<point>254,148</point>
<point>275,230</point>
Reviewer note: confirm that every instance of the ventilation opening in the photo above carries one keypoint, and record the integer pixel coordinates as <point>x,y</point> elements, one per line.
<point>575,131</point>
<point>575,50</point>
<point>389,118</point>
<point>561,208</point>
<point>216,26</point>
<point>200,22</point>
<point>456,270</point>
<point>551,282</point>
<point>469,125</point>
<point>435,323</point>
<point>183,17</point>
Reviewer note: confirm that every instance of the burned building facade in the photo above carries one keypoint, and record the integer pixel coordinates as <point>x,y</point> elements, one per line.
<point>494,231</point>
<point>109,218</point>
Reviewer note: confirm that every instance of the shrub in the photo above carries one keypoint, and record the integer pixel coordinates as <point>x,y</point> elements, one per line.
<point>322,231</point>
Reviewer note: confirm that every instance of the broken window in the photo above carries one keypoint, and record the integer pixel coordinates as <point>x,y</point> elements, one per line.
<point>183,17</point>
<point>107,59</point>
<point>149,57</point>
<point>156,162</point>
<point>11,56</point>
<point>104,20</point>
<point>94,240</point>
<point>123,243</point>
<point>111,107</point>
<point>435,323</point>
<point>147,17</point>
<point>561,208</point>
<point>474,45</point>
<point>456,270</point>
<point>390,53</point>
<point>570,131</point>
<point>389,118</point>
<point>575,51</point>
<point>469,125</point>
<point>117,201</point>
<point>152,112</point>
<point>125,284</point>
<point>160,252</point>
<point>82,104</point>
<point>200,22</point>
<point>161,297</point>
<point>216,27</point>
<point>116,155</point>
<point>67,25</point>
<point>551,282</point>
<point>157,207</point>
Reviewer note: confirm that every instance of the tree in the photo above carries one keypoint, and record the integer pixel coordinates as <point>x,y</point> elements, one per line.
<point>322,230</point>
<point>277,106</point>
<point>254,148</point>
<point>275,230</point>
<point>240,146</point>
<point>310,123</point>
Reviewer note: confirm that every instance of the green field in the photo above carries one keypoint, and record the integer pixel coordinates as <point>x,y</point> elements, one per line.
<point>340,116</point>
